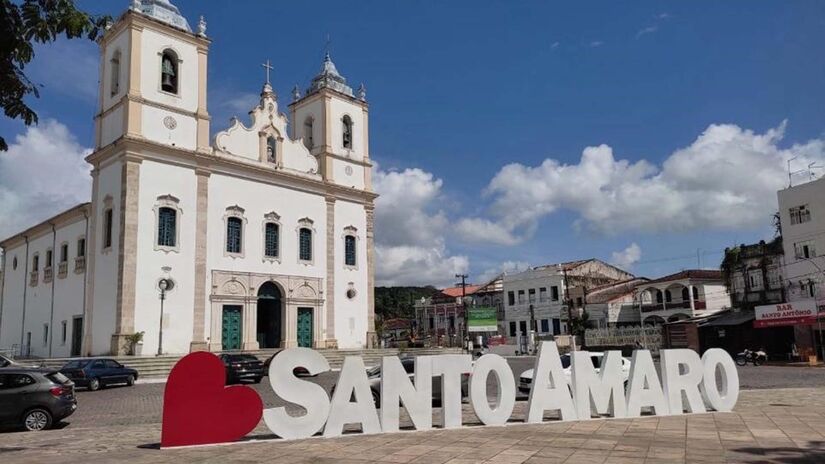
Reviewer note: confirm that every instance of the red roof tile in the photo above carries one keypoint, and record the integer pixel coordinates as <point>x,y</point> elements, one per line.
<point>699,274</point>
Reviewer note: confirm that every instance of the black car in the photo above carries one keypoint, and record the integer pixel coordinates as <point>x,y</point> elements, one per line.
<point>298,371</point>
<point>94,373</point>
<point>35,399</point>
<point>240,367</point>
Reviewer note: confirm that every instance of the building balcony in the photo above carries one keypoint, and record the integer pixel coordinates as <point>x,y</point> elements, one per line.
<point>62,269</point>
<point>34,277</point>
<point>673,305</point>
<point>80,264</point>
<point>47,274</point>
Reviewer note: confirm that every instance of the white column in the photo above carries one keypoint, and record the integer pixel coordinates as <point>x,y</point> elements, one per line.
<point>692,304</point>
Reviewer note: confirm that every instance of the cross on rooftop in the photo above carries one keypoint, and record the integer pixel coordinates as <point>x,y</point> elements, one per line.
<point>268,67</point>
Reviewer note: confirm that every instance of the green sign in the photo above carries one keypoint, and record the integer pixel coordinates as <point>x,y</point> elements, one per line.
<point>482,319</point>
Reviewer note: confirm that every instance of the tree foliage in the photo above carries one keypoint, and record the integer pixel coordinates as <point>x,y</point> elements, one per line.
<point>22,24</point>
<point>393,302</point>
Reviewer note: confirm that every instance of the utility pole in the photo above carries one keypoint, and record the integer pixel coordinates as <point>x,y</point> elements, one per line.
<point>466,334</point>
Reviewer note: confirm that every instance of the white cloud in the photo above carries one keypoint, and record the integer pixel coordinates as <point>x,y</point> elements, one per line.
<point>505,267</point>
<point>726,179</point>
<point>596,43</point>
<point>409,230</point>
<point>42,174</point>
<point>479,230</point>
<point>626,258</point>
<point>554,45</point>
<point>647,30</point>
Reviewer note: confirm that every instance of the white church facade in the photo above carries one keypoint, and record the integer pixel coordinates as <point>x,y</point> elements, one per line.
<point>265,231</point>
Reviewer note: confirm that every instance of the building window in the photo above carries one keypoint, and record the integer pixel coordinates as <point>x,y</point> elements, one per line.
<point>349,250</point>
<point>511,298</point>
<point>63,330</point>
<point>531,295</point>
<point>522,325</point>
<point>234,233</point>
<point>108,219</point>
<point>774,278</point>
<point>521,297</point>
<point>809,289</point>
<point>512,328</point>
<point>81,247</point>
<point>308,139</point>
<point>658,296</point>
<point>685,294</point>
<point>668,296</point>
<point>115,70</point>
<point>271,149</point>
<point>347,132</point>
<point>169,75</point>
<point>695,293</point>
<point>167,226</point>
<point>542,294</point>
<point>554,293</point>
<point>579,302</point>
<point>64,253</point>
<point>45,334</point>
<point>800,214</point>
<point>805,250</point>
<point>305,244</point>
<point>545,326</point>
<point>271,233</point>
<point>14,263</point>
<point>48,258</point>
<point>755,279</point>
<point>35,263</point>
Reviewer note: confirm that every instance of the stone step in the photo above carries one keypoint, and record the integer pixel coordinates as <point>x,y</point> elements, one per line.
<point>160,366</point>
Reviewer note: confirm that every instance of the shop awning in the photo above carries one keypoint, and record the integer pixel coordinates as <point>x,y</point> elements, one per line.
<point>731,318</point>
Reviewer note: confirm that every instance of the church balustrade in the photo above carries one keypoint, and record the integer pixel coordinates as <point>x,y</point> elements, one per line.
<point>47,274</point>
<point>34,277</point>
<point>80,264</point>
<point>62,269</point>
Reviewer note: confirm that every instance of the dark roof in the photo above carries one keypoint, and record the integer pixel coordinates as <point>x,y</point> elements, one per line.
<point>730,318</point>
<point>698,274</point>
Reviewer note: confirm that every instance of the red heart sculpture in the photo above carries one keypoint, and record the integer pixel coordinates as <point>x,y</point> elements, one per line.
<point>199,409</point>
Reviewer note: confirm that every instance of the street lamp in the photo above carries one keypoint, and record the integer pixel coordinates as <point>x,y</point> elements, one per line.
<point>164,285</point>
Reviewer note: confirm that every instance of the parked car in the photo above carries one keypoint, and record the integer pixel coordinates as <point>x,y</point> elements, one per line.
<point>240,367</point>
<point>374,377</point>
<point>6,361</point>
<point>94,373</point>
<point>526,378</point>
<point>35,399</point>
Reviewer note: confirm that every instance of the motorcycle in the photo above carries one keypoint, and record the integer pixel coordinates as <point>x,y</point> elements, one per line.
<point>756,357</point>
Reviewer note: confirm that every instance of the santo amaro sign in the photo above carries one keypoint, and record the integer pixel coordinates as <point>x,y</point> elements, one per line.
<point>199,409</point>
<point>803,312</point>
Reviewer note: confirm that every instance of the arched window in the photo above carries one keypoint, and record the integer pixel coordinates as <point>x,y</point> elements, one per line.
<point>349,250</point>
<point>108,222</point>
<point>167,227</point>
<point>115,70</point>
<point>308,140</point>
<point>658,296</point>
<point>234,234</point>
<point>668,296</point>
<point>305,244</point>
<point>685,294</point>
<point>347,131</point>
<point>695,293</point>
<point>271,240</point>
<point>169,72</point>
<point>271,149</point>
<point>35,262</point>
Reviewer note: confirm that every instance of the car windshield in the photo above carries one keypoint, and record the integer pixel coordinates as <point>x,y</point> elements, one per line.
<point>374,371</point>
<point>78,364</point>
<point>242,358</point>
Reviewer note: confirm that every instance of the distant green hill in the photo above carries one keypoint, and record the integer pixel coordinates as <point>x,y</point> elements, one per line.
<point>393,302</point>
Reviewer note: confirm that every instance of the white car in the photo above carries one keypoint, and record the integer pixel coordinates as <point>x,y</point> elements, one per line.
<point>526,378</point>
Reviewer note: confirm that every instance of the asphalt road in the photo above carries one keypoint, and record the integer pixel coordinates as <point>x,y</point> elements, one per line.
<point>142,404</point>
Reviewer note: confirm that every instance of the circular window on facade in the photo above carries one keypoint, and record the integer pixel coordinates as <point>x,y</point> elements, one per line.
<point>351,292</point>
<point>14,263</point>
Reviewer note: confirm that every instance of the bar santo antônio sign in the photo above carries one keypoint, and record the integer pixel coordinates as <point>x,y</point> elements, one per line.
<point>199,409</point>
<point>803,312</point>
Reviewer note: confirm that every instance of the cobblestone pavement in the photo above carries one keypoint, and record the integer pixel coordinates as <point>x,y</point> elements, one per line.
<point>777,426</point>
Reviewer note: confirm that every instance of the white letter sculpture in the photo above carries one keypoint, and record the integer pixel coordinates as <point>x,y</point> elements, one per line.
<point>451,368</point>
<point>604,392</point>
<point>506,397</point>
<point>643,386</point>
<point>396,386</point>
<point>725,399</point>
<point>682,373</point>
<point>310,396</point>
<point>550,390</point>
<point>352,382</point>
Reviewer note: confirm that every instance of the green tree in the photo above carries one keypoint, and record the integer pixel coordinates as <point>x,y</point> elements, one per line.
<point>22,24</point>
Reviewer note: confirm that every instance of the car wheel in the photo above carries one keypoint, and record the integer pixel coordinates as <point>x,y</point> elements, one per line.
<point>94,384</point>
<point>130,380</point>
<point>37,420</point>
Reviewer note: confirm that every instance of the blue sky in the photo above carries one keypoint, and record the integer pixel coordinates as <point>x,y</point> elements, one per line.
<point>676,99</point>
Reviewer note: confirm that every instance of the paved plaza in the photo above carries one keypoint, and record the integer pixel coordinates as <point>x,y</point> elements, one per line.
<point>771,425</point>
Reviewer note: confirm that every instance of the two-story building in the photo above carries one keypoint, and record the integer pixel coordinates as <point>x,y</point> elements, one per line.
<point>683,295</point>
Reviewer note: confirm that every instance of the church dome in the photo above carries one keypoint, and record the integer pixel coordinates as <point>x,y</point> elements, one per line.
<point>163,11</point>
<point>329,77</point>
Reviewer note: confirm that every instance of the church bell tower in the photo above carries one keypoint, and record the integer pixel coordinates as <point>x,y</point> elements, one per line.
<point>153,79</point>
<point>333,123</point>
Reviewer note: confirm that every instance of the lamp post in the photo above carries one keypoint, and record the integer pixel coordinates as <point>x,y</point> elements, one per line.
<point>164,285</point>
<point>466,333</point>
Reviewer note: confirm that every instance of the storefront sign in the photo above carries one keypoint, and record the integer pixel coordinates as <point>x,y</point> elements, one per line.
<point>801,312</point>
<point>198,409</point>
<point>482,319</point>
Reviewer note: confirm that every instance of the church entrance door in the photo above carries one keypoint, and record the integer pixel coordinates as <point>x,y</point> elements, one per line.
<point>305,327</point>
<point>231,333</point>
<point>269,316</point>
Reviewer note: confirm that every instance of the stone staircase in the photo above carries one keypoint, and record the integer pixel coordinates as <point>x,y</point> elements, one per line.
<point>153,367</point>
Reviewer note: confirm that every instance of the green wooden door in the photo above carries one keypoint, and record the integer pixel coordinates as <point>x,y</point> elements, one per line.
<point>231,336</point>
<point>305,327</point>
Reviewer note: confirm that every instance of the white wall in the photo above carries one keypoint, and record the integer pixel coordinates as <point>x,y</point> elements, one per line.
<point>153,43</point>
<point>799,270</point>
<point>156,180</point>
<point>15,282</point>
<point>351,314</point>
<point>525,281</point>
<point>68,291</point>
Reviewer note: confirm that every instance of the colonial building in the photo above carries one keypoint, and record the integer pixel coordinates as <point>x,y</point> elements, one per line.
<point>265,233</point>
<point>683,295</point>
<point>753,274</point>
<point>615,304</point>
